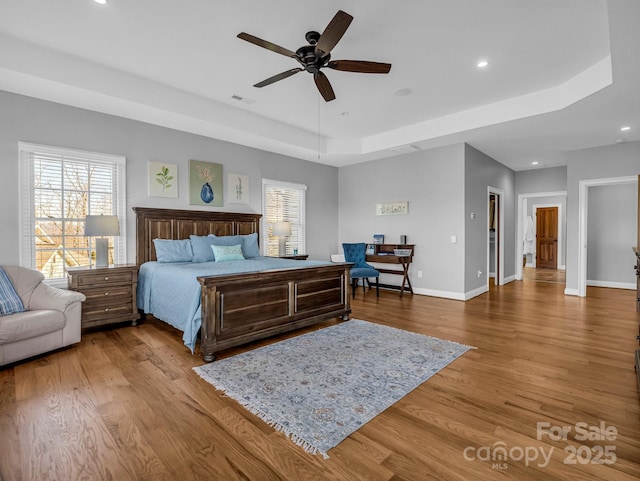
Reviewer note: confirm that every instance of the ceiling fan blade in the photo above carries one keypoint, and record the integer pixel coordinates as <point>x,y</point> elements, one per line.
<point>268,45</point>
<point>280,76</point>
<point>333,33</point>
<point>322,82</point>
<point>361,66</point>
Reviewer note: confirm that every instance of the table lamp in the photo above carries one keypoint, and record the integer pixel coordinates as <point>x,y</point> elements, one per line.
<point>281,230</point>
<point>100,226</point>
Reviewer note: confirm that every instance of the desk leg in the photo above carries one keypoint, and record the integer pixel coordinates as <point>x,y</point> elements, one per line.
<point>405,278</point>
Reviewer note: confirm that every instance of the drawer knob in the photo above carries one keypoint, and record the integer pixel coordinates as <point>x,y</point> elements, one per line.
<point>106,293</point>
<point>106,309</point>
<point>106,278</point>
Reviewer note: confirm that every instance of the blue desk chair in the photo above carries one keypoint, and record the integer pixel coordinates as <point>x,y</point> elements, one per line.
<point>361,270</point>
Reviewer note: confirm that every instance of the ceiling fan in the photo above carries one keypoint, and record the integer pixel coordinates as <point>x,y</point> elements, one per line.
<point>317,55</point>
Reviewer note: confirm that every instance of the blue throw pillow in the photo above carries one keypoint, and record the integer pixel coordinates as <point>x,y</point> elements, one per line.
<point>201,246</point>
<point>227,253</point>
<point>250,247</point>
<point>10,302</point>
<point>248,243</point>
<point>173,250</point>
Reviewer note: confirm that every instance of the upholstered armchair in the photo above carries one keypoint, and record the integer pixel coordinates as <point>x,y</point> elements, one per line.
<point>51,318</point>
<point>356,253</point>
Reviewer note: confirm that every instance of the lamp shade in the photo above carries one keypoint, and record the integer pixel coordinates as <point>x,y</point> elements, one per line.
<point>281,229</point>
<point>101,225</point>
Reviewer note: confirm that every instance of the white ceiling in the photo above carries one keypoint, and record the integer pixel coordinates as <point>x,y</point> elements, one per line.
<point>563,74</point>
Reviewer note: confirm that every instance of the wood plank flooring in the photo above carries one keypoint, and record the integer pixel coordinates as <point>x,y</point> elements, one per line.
<point>124,404</point>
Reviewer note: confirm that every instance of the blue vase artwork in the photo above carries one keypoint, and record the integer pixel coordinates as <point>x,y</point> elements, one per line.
<point>206,193</point>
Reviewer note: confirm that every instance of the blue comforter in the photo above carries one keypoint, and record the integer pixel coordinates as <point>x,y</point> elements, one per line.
<point>171,291</point>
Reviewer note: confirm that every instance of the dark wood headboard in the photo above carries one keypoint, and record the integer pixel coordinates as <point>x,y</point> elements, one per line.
<point>180,224</point>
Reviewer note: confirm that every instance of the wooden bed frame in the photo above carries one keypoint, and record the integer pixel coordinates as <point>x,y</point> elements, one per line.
<point>240,308</point>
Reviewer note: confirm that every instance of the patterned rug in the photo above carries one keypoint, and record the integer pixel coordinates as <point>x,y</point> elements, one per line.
<point>320,387</point>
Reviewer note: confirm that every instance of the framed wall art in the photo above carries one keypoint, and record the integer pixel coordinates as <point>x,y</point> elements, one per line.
<point>238,188</point>
<point>205,183</point>
<point>392,208</point>
<point>163,180</point>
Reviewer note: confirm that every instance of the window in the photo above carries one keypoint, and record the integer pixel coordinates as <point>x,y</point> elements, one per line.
<point>284,202</point>
<point>59,188</point>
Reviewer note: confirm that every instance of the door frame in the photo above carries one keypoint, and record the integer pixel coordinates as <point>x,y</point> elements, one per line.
<point>559,258</point>
<point>522,210</point>
<point>583,208</point>
<point>499,193</point>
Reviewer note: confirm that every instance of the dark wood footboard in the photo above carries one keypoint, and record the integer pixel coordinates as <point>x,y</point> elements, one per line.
<point>237,309</point>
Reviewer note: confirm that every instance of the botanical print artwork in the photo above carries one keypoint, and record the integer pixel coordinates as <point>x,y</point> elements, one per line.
<point>238,188</point>
<point>163,180</point>
<point>205,183</point>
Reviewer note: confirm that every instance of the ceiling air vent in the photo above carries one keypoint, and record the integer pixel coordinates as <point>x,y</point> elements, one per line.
<point>242,99</point>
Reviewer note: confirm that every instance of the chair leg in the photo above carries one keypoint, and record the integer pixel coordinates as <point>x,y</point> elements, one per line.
<point>377,288</point>
<point>363,287</point>
<point>354,286</point>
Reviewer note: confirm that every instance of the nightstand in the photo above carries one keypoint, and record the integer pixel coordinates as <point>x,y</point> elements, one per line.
<point>110,292</point>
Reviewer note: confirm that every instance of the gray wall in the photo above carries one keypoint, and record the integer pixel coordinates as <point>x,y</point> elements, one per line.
<point>481,171</point>
<point>432,182</point>
<point>611,231</point>
<point>31,120</point>
<point>552,179</point>
<point>619,160</point>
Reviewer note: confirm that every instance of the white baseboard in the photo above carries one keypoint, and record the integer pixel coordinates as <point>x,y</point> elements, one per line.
<point>476,292</point>
<point>457,296</point>
<point>510,279</point>
<point>571,292</point>
<point>613,285</point>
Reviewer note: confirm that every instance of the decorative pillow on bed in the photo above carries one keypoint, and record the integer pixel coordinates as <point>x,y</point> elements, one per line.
<point>201,245</point>
<point>250,247</point>
<point>168,250</point>
<point>227,253</point>
<point>248,243</point>
<point>10,302</point>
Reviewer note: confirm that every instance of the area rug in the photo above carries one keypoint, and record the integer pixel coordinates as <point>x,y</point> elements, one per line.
<point>320,387</point>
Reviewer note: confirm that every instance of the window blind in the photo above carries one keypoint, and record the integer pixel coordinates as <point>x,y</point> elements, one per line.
<point>284,202</point>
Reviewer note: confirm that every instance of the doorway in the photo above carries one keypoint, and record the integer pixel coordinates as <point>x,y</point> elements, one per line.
<point>527,203</point>
<point>495,236</point>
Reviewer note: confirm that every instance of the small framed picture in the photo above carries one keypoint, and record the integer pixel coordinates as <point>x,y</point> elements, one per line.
<point>238,188</point>
<point>371,250</point>
<point>163,180</point>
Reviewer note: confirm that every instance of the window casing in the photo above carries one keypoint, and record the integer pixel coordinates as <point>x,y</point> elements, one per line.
<point>284,202</point>
<point>59,188</point>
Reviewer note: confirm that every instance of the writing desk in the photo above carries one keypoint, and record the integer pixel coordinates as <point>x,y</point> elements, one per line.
<point>383,254</point>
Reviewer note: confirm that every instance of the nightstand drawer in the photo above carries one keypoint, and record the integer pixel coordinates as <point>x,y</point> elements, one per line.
<point>109,294</point>
<point>92,280</point>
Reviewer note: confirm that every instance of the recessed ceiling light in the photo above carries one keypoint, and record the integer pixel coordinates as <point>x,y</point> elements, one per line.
<point>482,64</point>
<point>403,92</point>
<point>625,128</point>
<point>101,2</point>
<point>535,162</point>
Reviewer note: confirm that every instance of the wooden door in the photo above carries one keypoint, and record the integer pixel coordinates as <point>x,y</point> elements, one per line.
<point>547,237</point>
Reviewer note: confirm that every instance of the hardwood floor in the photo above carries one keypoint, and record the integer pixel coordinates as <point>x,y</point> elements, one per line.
<point>544,275</point>
<point>124,404</point>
